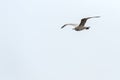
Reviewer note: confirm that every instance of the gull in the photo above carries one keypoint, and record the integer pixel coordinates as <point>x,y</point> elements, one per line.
<point>81,26</point>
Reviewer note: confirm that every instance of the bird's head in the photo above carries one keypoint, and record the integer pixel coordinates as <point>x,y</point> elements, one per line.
<point>87,28</point>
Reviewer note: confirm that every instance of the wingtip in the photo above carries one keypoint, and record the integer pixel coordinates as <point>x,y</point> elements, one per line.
<point>63,26</point>
<point>96,16</point>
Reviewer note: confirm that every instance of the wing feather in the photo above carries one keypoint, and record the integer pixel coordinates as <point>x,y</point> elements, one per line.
<point>83,20</point>
<point>67,25</point>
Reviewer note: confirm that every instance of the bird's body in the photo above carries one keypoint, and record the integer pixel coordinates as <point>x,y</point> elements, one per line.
<point>81,26</point>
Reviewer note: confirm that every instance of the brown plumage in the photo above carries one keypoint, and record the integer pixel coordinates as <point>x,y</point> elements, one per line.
<point>81,26</point>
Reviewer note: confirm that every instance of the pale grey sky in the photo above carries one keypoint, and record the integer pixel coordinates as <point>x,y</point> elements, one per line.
<point>33,47</point>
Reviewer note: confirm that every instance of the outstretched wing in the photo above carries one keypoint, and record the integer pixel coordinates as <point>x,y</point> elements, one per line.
<point>68,24</point>
<point>83,20</point>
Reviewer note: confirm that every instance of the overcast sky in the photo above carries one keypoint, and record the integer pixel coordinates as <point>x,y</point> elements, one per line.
<point>33,47</point>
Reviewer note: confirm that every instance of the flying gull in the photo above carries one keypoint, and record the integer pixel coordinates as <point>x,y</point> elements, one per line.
<point>81,26</point>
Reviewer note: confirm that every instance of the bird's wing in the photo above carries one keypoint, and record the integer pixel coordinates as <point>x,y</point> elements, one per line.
<point>68,24</point>
<point>83,20</point>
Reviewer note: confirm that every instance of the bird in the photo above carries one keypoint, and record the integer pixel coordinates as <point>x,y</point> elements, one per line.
<point>81,26</point>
